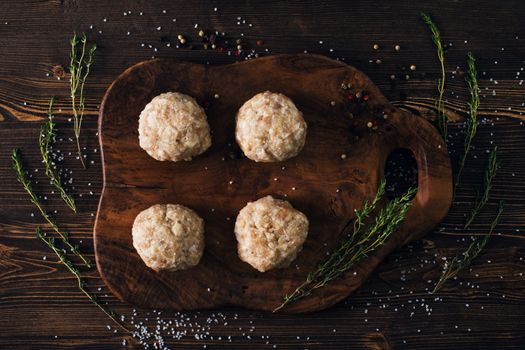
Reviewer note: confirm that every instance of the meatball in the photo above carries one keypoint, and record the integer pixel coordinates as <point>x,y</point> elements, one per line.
<point>169,237</point>
<point>270,128</point>
<point>173,127</point>
<point>270,233</point>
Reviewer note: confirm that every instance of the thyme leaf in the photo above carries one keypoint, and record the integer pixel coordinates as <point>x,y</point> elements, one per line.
<point>464,259</point>
<point>358,245</point>
<point>26,183</point>
<point>488,178</point>
<point>79,69</point>
<point>472,121</point>
<point>440,104</point>
<point>45,139</point>
<point>50,242</point>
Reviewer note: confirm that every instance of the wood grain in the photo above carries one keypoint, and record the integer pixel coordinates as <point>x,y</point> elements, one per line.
<point>327,189</point>
<point>38,298</point>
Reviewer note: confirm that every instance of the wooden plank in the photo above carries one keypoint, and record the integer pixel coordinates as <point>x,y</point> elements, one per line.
<point>38,299</point>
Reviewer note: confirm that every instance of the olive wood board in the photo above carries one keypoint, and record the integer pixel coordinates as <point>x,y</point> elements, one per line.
<point>346,114</point>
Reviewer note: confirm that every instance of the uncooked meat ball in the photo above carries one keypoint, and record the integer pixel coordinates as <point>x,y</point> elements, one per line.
<point>169,237</point>
<point>174,127</point>
<point>270,128</point>
<point>270,233</point>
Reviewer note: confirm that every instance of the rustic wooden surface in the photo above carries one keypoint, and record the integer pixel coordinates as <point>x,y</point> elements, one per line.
<point>40,305</point>
<point>327,188</point>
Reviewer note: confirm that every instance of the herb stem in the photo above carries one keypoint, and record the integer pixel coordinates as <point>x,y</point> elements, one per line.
<point>79,69</point>
<point>47,133</point>
<point>488,178</point>
<point>465,259</point>
<point>81,283</point>
<point>472,121</point>
<point>26,183</point>
<point>442,119</point>
<point>357,245</point>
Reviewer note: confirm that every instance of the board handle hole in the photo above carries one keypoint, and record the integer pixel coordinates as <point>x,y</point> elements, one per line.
<point>400,172</point>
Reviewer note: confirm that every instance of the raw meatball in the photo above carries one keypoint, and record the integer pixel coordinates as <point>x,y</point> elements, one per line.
<point>173,127</point>
<point>169,237</point>
<point>270,233</point>
<point>270,128</point>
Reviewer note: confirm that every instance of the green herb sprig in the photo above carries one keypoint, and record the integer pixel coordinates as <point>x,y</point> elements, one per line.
<point>488,178</point>
<point>472,121</point>
<point>45,139</point>
<point>465,259</point>
<point>26,183</point>
<point>358,245</point>
<point>79,68</point>
<point>50,242</point>
<point>440,104</point>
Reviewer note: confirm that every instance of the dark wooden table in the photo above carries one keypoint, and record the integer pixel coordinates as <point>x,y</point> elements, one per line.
<point>40,304</point>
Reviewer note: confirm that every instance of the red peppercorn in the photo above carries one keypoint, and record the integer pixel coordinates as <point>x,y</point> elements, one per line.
<point>350,97</point>
<point>366,97</point>
<point>237,52</point>
<point>220,49</point>
<point>259,42</point>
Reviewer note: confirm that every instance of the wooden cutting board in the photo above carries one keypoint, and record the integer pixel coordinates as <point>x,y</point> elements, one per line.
<point>220,182</point>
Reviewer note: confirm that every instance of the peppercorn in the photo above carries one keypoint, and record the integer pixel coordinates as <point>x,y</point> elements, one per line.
<point>259,42</point>
<point>397,47</point>
<point>413,67</point>
<point>201,33</point>
<point>376,46</point>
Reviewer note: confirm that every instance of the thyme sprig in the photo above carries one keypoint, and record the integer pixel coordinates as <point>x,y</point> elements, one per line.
<point>50,242</point>
<point>45,139</point>
<point>79,68</point>
<point>472,121</point>
<point>488,178</point>
<point>440,104</point>
<point>356,246</point>
<point>26,183</point>
<point>464,259</point>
